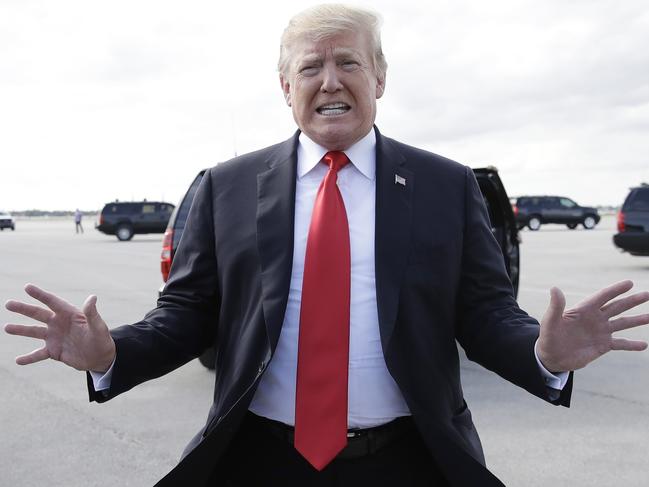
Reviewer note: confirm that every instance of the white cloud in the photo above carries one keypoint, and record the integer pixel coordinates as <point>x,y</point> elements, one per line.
<point>129,99</point>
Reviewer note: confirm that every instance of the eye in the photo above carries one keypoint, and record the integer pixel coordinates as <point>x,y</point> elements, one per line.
<point>349,65</point>
<point>309,70</point>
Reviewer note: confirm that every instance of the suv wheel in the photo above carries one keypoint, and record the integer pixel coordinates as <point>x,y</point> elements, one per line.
<point>124,232</point>
<point>534,223</point>
<point>589,222</point>
<point>208,358</point>
<point>571,226</point>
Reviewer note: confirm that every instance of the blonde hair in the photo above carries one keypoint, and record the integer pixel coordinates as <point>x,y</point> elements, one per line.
<point>327,20</point>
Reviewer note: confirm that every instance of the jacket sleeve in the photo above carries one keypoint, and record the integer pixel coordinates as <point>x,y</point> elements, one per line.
<point>184,322</point>
<point>493,330</point>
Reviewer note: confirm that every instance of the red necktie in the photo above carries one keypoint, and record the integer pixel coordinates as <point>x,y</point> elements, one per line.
<point>323,346</point>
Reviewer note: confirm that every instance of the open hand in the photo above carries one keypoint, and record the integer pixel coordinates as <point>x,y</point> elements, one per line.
<point>571,339</point>
<point>77,337</point>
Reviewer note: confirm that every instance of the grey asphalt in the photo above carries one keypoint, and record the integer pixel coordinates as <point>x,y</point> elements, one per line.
<point>51,435</point>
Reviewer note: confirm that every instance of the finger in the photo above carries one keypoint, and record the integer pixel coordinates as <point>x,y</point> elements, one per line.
<point>603,296</point>
<point>29,310</point>
<point>556,307</point>
<point>629,322</point>
<point>35,356</point>
<point>618,306</point>
<point>50,300</point>
<point>628,345</point>
<point>31,331</point>
<point>89,309</point>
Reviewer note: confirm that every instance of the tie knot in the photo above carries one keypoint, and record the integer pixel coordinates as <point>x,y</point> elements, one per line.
<point>336,160</point>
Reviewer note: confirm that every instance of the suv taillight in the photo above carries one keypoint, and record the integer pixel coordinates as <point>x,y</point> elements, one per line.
<point>620,222</point>
<point>165,255</point>
<point>515,208</point>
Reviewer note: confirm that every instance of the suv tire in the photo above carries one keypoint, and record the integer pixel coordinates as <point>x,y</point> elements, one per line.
<point>589,222</point>
<point>208,359</point>
<point>124,232</point>
<point>571,226</point>
<point>534,223</point>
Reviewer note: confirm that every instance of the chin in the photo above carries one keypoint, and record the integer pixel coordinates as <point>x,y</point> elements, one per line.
<point>338,138</point>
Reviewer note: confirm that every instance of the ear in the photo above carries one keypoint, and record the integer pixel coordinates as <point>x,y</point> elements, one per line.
<point>380,86</point>
<point>286,88</point>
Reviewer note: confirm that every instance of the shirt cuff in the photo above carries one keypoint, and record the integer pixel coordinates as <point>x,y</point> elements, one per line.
<point>555,381</point>
<point>101,382</point>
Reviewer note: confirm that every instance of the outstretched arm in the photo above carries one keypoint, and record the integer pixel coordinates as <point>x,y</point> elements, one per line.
<point>77,337</point>
<point>571,339</point>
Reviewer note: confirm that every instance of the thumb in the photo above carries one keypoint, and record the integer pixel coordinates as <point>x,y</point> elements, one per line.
<point>89,309</point>
<point>557,305</point>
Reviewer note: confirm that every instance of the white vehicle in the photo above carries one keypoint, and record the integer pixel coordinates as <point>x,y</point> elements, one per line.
<point>6,221</point>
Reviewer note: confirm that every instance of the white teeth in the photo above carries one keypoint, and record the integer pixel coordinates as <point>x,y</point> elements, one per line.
<point>334,105</point>
<point>333,109</point>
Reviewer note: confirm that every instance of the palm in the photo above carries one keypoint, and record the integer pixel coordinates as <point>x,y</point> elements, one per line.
<point>77,337</point>
<point>571,339</point>
<point>68,337</point>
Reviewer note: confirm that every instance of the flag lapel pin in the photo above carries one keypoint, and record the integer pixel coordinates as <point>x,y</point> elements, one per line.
<point>399,180</point>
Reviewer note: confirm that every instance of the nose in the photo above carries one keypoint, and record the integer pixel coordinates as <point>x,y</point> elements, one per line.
<point>330,81</point>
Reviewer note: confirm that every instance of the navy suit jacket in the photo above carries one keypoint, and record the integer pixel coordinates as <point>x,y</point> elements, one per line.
<point>440,280</point>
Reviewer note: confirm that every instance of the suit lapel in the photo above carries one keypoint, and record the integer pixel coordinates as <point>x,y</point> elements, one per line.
<point>275,222</point>
<point>394,190</point>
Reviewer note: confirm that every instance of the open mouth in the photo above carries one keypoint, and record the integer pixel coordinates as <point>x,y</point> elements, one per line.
<point>332,109</point>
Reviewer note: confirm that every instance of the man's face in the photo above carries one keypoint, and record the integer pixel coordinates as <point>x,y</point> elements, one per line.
<point>332,88</point>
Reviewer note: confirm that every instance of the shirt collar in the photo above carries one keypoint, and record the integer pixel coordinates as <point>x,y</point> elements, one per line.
<point>362,155</point>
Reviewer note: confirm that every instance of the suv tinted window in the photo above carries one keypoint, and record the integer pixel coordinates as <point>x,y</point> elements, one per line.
<point>550,203</point>
<point>567,203</point>
<point>638,200</point>
<point>528,202</point>
<point>123,208</point>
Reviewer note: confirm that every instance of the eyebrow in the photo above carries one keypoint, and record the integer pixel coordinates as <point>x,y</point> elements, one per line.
<point>337,53</point>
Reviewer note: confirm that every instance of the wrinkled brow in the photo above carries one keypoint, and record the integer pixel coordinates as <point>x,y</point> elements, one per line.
<point>338,53</point>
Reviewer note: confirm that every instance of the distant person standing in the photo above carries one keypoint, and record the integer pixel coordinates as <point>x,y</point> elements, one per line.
<point>77,221</point>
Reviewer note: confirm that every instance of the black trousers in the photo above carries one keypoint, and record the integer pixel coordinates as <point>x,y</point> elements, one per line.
<point>257,457</point>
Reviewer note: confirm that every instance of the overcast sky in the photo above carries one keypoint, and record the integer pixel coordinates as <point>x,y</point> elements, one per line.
<point>129,99</point>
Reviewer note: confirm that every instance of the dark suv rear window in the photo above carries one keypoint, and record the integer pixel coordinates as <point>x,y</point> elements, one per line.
<point>638,200</point>
<point>528,202</point>
<point>123,209</point>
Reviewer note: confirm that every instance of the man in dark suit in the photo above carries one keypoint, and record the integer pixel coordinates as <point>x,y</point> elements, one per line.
<point>334,272</point>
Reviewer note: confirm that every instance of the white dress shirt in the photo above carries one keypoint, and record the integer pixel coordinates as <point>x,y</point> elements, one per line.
<point>373,396</point>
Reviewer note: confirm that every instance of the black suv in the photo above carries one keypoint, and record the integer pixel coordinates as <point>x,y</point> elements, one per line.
<point>633,222</point>
<point>503,226</point>
<point>536,210</point>
<point>6,221</point>
<point>126,219</point>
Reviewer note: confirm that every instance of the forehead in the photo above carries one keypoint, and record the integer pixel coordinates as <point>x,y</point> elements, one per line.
<point>336,45</point>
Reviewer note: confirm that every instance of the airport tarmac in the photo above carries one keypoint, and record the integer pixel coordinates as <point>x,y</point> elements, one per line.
<point>51,435</point>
